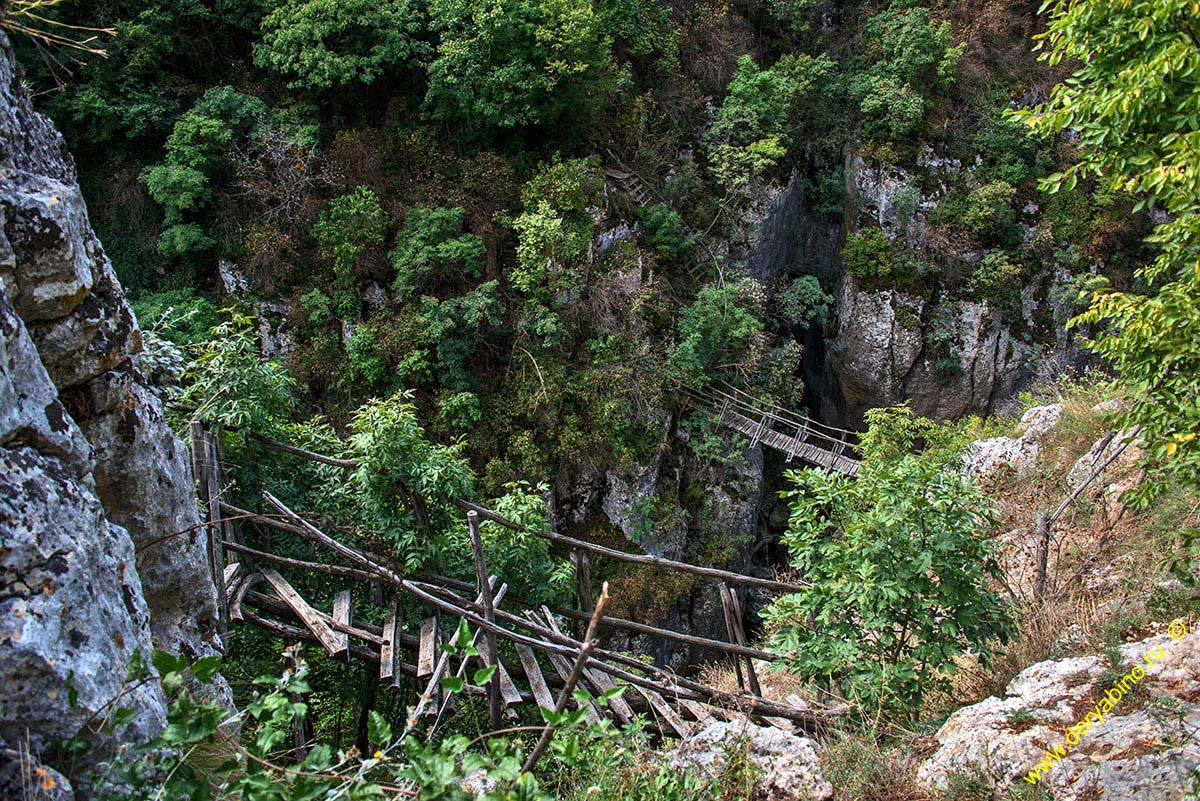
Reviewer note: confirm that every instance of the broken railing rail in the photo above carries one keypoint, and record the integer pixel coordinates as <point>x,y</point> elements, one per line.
<point>337,635</point>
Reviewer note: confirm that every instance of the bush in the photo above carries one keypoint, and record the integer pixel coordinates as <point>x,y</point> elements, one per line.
<point>868,254</point>
<point>994,276</point>
<point>989,213</point>
<point>432,245</point>
<point>900,564</point>
<point>352,223</point>
<point>804,302</point>
<point>178,315</point>
<point>330,44</point>
<point>721,330</point>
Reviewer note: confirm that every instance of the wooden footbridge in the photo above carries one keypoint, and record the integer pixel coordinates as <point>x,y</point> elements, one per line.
<point>794,435</point>
<point>542,655</point>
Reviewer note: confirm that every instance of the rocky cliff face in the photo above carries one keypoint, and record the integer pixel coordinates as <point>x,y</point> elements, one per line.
<point>99,548</point>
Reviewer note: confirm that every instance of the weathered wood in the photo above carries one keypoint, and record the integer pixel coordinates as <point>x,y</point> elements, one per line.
<point>363,633</point>
<point>660,705</point>
<point>583,580</point>
<point>444,661</point>
<point>740,633</point>
<point>427,653</point>
<point>585,649</point>
<point>489,614</point>
<point>232,570</point>
<point>635,558</point>
<point>341,609</point>
<point>311,532</point>
<point>690,639</point>
<point>333,642</point>
<point>727,611</point>
<point>508,691</point>
<point>218,530</point>
<point>239,593</point>
<point>387,651</point>
<point>533,675</point>
<point>699,712</point>
<point>599,682</point>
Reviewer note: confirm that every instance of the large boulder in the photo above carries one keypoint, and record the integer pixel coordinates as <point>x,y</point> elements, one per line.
<point>1146,747</point>
<point>787,764</point>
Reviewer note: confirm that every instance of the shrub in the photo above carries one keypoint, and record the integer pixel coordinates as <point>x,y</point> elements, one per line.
<point>432,245</point>
<point>178,315</point>
<point>994,276</point>
<point>330,44</point>
<point>989,213</point>
<point>345,230</point>
<point>556,230</point>
<point>900,565</point>
<point>804,302</point>
<point>664,230</point>
<point>868,254</point>
<point>722,329</point>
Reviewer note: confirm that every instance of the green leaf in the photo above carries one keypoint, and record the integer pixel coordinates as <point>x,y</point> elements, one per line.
<point>484,675</point>
<point>378,729</point>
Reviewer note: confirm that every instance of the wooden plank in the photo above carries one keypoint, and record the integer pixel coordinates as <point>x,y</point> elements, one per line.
<point>660,705</point>
<point>563,668</point>
<point>387,651</point>
<point>232,571</point>
<point>341,617</point>
<point>727,610</point>
<point>740,632</point>
<point>508,691</point>
<point>427,652</point>
<point>238,592</point>
<point>533,675</point>
<point>600,680</point>
<point>699,712</point>
<point>489,615</point>
<point>333,642</point>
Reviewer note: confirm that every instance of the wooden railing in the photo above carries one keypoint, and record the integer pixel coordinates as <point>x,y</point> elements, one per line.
<point>678,702</point>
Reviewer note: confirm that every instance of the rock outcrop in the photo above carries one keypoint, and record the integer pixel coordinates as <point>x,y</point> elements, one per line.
<point>1147,748</point>
<point>99,548</point>
<point>787,764</point>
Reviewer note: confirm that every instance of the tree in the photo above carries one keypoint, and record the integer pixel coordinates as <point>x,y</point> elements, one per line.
<point>197,154</point>
<point>899,560</point>
<point>516,63</point>
<point>722,329</point>
<point>1133,101</point>
<point>433,245</point>
<point>556,229</point>
<point>352,223</point>
<point>321,45</point>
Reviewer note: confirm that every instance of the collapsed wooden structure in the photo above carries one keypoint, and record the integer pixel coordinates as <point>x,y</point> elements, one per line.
<point>794,435</point>
<point>255,592</point>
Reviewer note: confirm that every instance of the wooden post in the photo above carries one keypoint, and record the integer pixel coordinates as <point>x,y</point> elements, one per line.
<point>727,608</point>
<point>489,614</point>
<point>583,580</point>
<point>736,607</point>
<point>207,493</point>
<point>1042,532</point>
<point>219,530</point>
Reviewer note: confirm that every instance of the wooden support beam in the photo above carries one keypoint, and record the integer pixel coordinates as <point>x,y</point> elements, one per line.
<point>699,712</point>
<point>387,651</point>
<point>427,653</point>
<point>664,710</point>
<point>636,558</point>
<point>733,619</point>
<point>333,642</point>
<point>533,675</point>
<point>598,680</point>
<point>727,611</point>
<point>492,657</point>
<point>341,609</point>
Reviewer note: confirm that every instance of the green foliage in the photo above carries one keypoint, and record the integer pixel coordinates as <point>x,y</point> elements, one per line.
<point>803,302</point>
<point>908,56</point>
<point>900,564</point>
<point>721,330</point>
<point>989,212</point>
<point>521,555</point>
<point>405,481</point>
<point>753,129</point>
<point>664,230</point>
<point>556,230</point>
<point>196,154</point>
<point>516,63</point>
<point>432,245</point>
<point>321,45</point>
<point>178,315</point>
<point>345,230</point>
<point>1133,100</point>
<point>868,254</point>
<point>229,383</point>
<point>994,276</point>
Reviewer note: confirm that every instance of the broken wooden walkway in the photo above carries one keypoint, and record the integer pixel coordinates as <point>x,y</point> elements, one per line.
<point>256,592</point>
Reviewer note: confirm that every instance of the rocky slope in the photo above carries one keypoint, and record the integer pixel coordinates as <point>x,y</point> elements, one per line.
<point>93,485</point>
